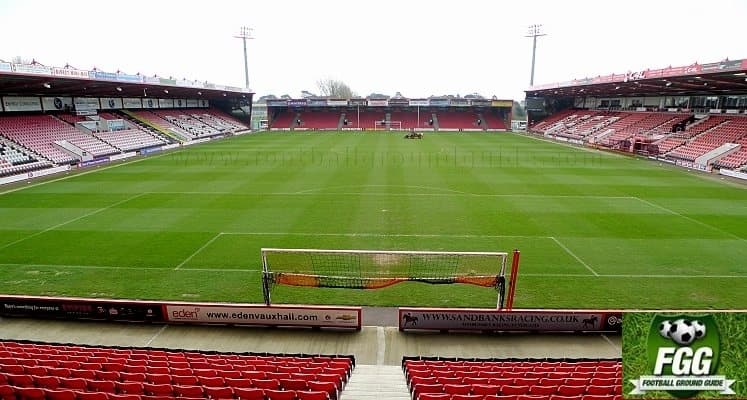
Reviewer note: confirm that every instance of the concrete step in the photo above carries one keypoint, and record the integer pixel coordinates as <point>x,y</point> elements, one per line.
<point>376,382</point>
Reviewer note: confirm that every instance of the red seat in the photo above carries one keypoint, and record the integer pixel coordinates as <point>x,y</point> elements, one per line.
<point>312,395</point>
<point>426,388</point>
<point>102,386</point>
<point>467,397</point>
<point>514,389</point>
<point>60,394</point>
<point>272,394</point>
<point>293,384</point>
<point>47,382</point>
<point>212,381</point>
<point>74,383</point>
<point>158,378</point>
<point>219,392</point>
<point>132,377</point>
<point>29,393</point>
<point>568,390</point>
<point>91,395</point>
<point>7,392</point>
<point>433,396</point>
<point>542,390</point>
<point>457,389</point>
<point>238,382</point>
<point>272,384</point>
<point>107,375</point>
<point>206,373</point>
<point>327,387</point>
<point>20,380</point>
<point>485,389</point>
<point>188,391</point>
<point>603,390</point>
<point>254,374</point>
<point>112,396</point>
<point>83,373</point>
<point>229,374</point>
<point>129,387</point>
<point>154,389</point>
<point>249,393</point>
<point>189,380</point>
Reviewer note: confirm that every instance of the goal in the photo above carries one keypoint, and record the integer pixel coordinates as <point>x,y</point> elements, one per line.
<point>375,269</point>
<point>387,125</point>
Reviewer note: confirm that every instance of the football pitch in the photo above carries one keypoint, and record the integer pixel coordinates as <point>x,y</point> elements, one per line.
<point>595,230</point>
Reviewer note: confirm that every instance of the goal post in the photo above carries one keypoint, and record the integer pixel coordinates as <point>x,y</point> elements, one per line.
<point>387,125</point>
<point>376,269</point>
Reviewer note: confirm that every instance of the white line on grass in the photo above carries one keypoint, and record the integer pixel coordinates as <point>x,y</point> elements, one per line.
<point>70,221</point>
<point>252,271</point>
<point>414,235</point>
<point>670,211</point>
<point>209,242</point>
<point>82,173</point>
<point>459,194</point>
<point>567,250</point>
<point>163,328</point>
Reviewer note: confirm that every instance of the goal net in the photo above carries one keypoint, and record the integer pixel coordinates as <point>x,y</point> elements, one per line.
<point>375,269</point>
<point>388,125</point>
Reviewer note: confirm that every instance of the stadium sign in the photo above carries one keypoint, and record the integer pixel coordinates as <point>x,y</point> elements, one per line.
<point>319,102</point>
<point>33,69</point>
<point>683,352</point>
<point>129,78</point>
<point>516,320</point>
<point>357,102</point>
<point>71,73</point>
<point>111,76</point>
<point>277,103</point>
<point>419,103</point>
<point>459,102</point>
<point>6,67</point>
<point>297,103</point>
<point>378,102</point>
<point>439,102</point>
<point>311,316</point>
<point>337,103</point>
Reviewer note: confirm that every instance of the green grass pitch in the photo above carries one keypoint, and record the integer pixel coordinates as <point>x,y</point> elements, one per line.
<point>596,230</point>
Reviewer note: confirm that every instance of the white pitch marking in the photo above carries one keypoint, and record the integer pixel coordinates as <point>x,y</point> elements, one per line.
<point>208,243</point>
<point>567,250</point>
<point>415,235</point>
<point>244,271</point>
<point>670,211</point>
<point>70,221</point>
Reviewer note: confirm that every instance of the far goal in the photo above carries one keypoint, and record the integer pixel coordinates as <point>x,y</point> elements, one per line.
<point>387,125</point>
<point>375,269</point>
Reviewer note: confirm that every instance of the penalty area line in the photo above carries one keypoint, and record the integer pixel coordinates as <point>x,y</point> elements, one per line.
<point>208,243</point>
<point>572,254</point>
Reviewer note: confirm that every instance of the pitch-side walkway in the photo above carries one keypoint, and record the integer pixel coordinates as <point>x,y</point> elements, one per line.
<point>378,350</point>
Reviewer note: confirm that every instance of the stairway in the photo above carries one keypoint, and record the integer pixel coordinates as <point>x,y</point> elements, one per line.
<point>435,121</point>
<point>376,382</point>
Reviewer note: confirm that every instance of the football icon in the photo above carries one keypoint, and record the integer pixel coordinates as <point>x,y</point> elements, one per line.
<point>682,331</point>
<point>664,328</point>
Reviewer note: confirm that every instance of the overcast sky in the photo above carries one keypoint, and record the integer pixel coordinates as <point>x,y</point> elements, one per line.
<point>419,48</point>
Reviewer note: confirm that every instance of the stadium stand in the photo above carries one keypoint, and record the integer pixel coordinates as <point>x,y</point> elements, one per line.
<point>284,120</point>
<point>457,120</point>
<point>55,371</point>
<point>39,133</point>
<point>319,120</point>
<point>736,159</point>
<point>728,131</point>
<point>14,160</point>
<point>488,379</point>
<point>493,121</point>
<point>182,119</point>
<point>129,139</point>
<point>409,119</point>
<point>368,119</point>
